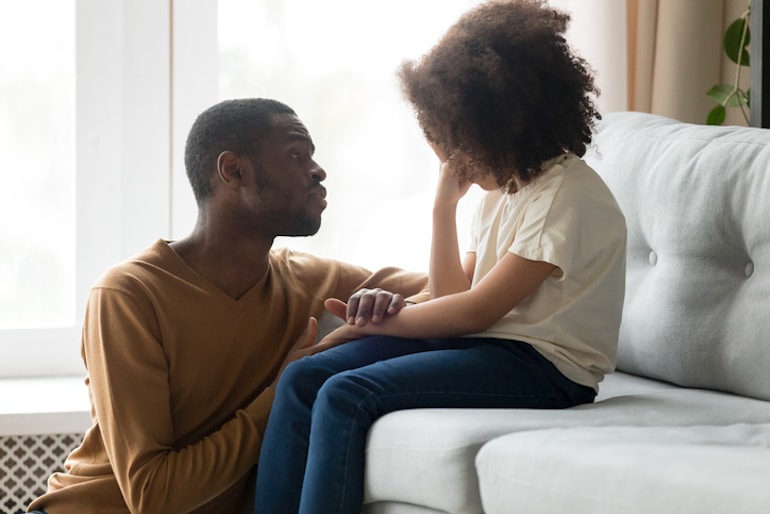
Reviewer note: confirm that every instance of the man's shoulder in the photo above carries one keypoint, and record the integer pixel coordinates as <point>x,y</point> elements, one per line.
<point>294,259</point>
<point>311,269</point>
<point>149,265</point>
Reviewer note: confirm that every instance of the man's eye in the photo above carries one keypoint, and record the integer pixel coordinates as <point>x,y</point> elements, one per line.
<point>294,155</point>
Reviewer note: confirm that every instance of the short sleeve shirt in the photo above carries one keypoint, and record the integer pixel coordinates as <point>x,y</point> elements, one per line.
<point>567,217</point>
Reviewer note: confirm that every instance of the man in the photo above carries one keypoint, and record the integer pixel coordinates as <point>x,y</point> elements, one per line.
<point>184,342</point>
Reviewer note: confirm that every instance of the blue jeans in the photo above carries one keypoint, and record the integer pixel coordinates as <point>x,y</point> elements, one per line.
<point>312,458</point>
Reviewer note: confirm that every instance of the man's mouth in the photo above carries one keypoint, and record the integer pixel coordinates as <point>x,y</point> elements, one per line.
<point>319,193</point>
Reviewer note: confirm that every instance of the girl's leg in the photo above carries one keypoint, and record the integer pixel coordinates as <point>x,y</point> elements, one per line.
<point>281,467</point>
<point>458,373</point>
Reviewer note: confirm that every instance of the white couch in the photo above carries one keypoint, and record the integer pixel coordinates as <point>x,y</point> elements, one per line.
<point>683,426</point>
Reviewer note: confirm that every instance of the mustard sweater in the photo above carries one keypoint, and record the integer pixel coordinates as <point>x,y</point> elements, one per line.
<point>178,375</point>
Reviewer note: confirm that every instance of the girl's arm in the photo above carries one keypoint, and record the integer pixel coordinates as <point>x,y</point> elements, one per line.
<point>510,282</point>
<point>448,275</point>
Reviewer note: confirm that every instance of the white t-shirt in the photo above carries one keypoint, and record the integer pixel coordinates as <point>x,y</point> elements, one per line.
<point>567,217</point>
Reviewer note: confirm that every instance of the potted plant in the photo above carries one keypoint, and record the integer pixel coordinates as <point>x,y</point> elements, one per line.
<point>735,43</point>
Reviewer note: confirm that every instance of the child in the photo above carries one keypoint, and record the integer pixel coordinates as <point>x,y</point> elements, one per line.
<point>528,319</point>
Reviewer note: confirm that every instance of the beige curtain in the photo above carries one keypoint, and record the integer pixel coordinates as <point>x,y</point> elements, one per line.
<point>675,55</point>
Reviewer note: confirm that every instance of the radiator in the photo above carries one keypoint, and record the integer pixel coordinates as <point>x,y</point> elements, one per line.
<point>26,462</point>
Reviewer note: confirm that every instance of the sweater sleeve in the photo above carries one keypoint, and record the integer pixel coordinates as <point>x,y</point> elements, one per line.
<point>129,384</point>
<point>414,286</point>
<point>337,279</point>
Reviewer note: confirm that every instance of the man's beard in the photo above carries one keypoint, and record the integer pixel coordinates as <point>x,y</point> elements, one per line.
<point>302,227</point>
<point>288,225</point>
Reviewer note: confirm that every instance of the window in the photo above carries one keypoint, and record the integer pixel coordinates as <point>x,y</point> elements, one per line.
<point>84,149</point>
<point>334,62</point>
<point>37,102</point>
<point>37,200</point>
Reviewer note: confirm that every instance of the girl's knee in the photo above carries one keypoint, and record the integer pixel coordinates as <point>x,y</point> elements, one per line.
<point>345,391</point>
<point>300,374</point>
<point>289,374</point>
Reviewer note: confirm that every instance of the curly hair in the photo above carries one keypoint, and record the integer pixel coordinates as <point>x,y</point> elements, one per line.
<point>503,87</point>
<point>235,125</point>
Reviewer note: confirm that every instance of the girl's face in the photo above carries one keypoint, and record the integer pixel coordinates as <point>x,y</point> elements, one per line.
<point>462,165</point>
<point>487,182</point>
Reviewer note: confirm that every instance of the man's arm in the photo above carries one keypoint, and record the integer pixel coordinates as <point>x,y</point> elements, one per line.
<point>129,385</point>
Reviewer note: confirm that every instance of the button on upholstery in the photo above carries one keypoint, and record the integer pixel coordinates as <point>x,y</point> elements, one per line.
<point>749,269</point>
<point>653,258</point>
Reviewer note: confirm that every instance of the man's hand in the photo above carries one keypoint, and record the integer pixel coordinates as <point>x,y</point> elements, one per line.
<point>369,305</point>
<point>340,335</point>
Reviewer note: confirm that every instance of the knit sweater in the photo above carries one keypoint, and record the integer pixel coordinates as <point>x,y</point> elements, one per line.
<point>179,376</point>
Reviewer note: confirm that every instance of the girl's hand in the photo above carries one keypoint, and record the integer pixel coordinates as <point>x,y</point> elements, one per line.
<point>450,188</point>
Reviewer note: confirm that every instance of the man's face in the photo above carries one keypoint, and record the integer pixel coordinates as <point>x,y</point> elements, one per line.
<point>288,180</point>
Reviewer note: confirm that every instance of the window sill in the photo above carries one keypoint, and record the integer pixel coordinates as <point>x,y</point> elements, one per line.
<point>51,405</point>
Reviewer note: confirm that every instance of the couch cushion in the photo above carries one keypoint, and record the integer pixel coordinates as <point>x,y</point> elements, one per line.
<point>696,200</point>
<point>426,456</point>
<point>397,508</point>
<point>630,470</point>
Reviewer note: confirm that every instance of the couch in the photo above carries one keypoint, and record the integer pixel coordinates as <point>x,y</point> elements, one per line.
<point>683,425</point>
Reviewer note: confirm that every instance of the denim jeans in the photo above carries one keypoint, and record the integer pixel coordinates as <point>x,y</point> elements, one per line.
<point>312,458</point>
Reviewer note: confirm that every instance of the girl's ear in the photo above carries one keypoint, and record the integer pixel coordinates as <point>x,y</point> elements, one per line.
<point>228,170</point>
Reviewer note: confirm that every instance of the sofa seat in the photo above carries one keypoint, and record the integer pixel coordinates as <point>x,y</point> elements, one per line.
<point>412,455</point>
<point>633,470</point>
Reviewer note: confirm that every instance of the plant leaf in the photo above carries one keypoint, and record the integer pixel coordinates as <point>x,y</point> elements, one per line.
<point>727,95</point>
<point>720,93</point>
<point>732,41</point>
<point>716,116</point>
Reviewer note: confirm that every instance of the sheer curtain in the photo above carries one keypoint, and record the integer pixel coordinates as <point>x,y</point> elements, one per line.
<point>658,56</point>
<point>676,55</point>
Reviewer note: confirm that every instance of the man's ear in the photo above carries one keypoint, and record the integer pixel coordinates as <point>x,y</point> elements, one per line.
<point>228,170</point>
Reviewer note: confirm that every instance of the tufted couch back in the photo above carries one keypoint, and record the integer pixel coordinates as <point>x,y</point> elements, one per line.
<point>697,204</point>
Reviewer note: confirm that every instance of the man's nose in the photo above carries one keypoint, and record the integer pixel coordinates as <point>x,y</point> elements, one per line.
<point>317,173</point>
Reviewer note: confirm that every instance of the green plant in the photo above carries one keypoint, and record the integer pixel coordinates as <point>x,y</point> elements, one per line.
<point>735,43</point>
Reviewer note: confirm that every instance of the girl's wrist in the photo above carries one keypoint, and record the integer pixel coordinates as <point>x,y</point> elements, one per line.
<point>444,204</point>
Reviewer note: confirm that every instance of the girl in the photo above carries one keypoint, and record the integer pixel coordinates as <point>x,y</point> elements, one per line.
<point>528,319</point>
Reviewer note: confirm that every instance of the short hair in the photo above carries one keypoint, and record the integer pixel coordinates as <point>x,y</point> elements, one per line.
<point>235,125</point>
<point>504,87</point>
